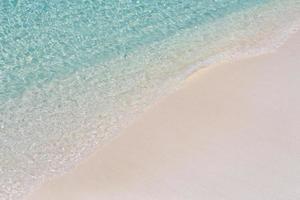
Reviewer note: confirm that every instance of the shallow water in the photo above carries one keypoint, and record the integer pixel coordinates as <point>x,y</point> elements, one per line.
<point>72,73</point>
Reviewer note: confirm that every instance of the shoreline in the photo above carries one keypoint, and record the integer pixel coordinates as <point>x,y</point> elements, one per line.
<point>86,176</point>
<point>158,79</point>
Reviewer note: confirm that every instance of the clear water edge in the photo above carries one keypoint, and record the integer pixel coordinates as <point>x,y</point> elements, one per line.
<point>263,44</point>
<point>266,47</point>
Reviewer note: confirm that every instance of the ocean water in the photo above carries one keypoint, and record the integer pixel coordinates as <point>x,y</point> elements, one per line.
<point>72,73</point>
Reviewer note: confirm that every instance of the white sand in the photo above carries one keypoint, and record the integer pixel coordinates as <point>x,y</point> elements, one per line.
<point>232,132</point>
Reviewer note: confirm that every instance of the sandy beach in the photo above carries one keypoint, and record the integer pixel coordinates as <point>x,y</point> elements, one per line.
<point>231,132</point>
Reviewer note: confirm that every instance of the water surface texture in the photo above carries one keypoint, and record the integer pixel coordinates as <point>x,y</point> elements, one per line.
<point>74,72</point>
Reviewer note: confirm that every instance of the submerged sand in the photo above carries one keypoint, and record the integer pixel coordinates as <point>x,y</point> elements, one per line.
<point>231,132</point>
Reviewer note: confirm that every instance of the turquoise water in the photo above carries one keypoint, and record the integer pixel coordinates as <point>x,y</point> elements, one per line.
<point>42,41</point>
<point>74,72</point>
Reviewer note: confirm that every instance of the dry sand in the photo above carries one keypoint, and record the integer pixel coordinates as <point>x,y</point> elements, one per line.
<point>231,133</point>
